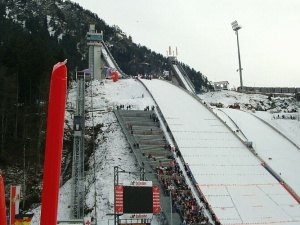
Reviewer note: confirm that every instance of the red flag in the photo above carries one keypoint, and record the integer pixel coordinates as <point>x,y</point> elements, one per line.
<point>23,219</point>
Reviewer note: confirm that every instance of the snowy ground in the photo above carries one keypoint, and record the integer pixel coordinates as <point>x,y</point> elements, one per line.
<point>283,106</point>
<point>113,150</point>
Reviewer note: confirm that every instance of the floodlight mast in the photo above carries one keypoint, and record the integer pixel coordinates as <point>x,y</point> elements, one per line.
<point>236,27</point>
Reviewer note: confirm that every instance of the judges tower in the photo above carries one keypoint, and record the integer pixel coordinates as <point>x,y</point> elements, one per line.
<point>94,40</point>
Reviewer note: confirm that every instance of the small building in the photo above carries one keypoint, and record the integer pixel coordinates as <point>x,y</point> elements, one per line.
<point>173,59</point>
<point>221,85</point>
<point>85,74</point>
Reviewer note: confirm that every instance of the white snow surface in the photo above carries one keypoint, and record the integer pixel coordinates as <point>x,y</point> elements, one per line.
<point>238,188</point>
<point>109,60</point>
<point>183,79</point>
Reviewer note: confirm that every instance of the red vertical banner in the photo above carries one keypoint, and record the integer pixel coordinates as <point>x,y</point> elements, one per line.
<point>2,203</point>
<point>118,199</point>
<point>156,203</point>
<point>54,143</point>
<point>14,203</point>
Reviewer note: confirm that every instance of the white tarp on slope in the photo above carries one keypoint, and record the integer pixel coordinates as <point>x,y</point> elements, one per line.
<point>107,57</point>
<point>182,78</point>
<point>277,151</point>
<point>238,188</point>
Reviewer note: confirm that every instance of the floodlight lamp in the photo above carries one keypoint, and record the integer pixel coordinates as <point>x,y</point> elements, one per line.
<point>235,25</point>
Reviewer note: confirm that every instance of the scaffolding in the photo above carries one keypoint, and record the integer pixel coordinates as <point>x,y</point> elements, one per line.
<point>78,154</point>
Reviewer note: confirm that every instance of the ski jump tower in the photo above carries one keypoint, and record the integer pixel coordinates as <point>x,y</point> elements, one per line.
<point>94,42</point>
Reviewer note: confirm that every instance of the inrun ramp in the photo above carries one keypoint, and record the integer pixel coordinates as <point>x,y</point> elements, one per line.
<point>233,181</point>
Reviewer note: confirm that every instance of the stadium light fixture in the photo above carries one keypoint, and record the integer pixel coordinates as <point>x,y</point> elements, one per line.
<point>235,26</point>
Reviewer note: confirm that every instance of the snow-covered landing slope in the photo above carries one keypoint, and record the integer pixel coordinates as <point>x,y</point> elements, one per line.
<point>238,188</point>
<point>277,151</point>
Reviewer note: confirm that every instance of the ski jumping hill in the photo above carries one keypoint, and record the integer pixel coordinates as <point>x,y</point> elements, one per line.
<point>238,188</point>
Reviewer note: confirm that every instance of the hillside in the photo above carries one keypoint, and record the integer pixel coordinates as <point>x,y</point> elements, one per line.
<point>36,34</point>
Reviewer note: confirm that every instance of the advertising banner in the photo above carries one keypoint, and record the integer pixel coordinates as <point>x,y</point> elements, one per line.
<point>14,203</point>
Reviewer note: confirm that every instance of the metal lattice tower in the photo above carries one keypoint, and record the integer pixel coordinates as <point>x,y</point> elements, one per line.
<point>78,154</point>
<point>91,61</point>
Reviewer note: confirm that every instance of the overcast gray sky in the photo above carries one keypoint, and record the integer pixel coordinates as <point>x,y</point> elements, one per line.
<point>201,30</point>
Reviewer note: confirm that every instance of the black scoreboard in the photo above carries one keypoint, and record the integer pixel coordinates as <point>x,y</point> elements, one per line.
<point>137,199</point>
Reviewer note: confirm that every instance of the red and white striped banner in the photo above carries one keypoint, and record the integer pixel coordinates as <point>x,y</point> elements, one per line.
<point>119,199</point>
<point>14,203</point>
<point>156,203</point>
